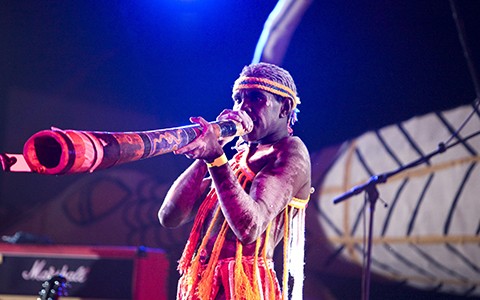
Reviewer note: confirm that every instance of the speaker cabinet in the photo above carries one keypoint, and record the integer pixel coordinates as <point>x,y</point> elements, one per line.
<point>98,273</point>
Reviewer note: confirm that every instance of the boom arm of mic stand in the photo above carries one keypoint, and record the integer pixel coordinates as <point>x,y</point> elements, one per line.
<point>382,178</point>
<point>374,180</point>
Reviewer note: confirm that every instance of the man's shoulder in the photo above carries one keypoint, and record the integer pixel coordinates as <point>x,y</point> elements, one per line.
<point>293,144</point>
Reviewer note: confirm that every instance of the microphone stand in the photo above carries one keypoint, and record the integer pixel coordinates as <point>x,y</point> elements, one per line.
<point>372,194</point>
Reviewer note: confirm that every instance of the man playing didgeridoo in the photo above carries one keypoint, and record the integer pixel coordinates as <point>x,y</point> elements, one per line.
<point>244,207</point>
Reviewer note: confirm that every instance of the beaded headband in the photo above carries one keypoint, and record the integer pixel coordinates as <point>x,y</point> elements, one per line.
<point>266,85</point>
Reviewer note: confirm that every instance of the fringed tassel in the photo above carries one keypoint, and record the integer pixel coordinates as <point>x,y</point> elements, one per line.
<point>286,254</point>
<point>191,276</point>
<point>256,288</point>
<point>205,208</point>
<point>271,282</point>
<point>205,284</point>
<point>243,287</point>
<point>194,237</point>
<point>296,259</point>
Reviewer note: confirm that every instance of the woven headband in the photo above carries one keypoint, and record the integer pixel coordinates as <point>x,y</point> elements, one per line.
<point>266,85</point>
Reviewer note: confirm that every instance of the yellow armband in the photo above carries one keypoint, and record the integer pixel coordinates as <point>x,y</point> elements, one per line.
<point>219,161</point>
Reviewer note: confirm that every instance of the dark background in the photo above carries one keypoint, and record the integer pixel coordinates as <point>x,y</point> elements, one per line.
<point>358,65</point>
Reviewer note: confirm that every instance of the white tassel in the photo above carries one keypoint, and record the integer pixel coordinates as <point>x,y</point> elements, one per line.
<point>296,254</point>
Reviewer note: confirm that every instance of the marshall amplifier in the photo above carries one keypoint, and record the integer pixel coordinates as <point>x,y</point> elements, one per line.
<point>91,272</point>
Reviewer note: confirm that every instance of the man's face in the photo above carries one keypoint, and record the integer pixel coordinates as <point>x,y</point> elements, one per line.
<point>264,109</point>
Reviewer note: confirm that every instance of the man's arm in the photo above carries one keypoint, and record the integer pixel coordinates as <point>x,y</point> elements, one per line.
<point>188,191</point>
<point>184,196</point>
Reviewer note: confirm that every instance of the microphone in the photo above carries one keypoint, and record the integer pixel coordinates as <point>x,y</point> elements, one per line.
<point>57,151</point>
<point>370,184</point>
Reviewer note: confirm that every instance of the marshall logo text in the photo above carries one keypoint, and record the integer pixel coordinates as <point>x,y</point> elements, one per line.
<point>39,272</point>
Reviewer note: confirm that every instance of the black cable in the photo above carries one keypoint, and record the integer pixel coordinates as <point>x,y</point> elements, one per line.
<point>456,133</point>
<point>466,50</point>
<point>473,73</point>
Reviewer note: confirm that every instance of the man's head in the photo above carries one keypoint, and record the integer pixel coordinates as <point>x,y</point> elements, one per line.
<point>273,79</point>
<point>267,93</point>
